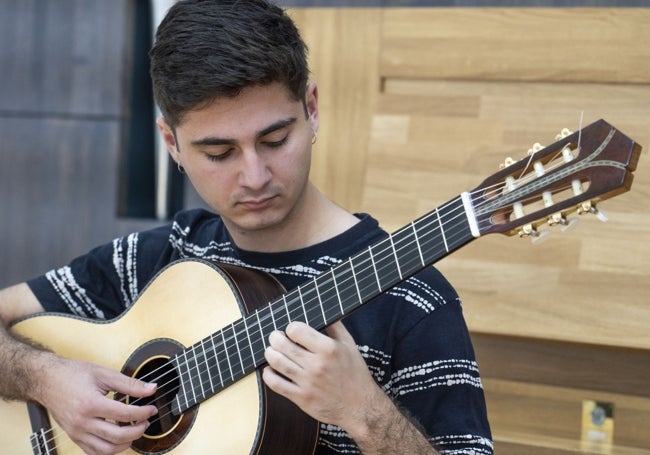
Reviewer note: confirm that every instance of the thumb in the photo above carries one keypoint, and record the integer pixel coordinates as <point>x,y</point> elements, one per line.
<point>337,331</point>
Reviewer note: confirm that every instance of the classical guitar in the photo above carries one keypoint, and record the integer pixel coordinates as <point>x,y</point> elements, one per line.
<point>211,398</point>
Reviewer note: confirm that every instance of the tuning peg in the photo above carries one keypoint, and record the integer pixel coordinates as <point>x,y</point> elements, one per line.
<point>564,133</point>
<point>527,230</point>
<point>556,218</point>
<point>539,236</point>
<point>536,148</point>
<point>568,224</point>
<point>508,162</point>
<point>585,207</point>
<point>599,214</point>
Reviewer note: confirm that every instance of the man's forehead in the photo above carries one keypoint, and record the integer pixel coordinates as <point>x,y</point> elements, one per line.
<point>254,111</point>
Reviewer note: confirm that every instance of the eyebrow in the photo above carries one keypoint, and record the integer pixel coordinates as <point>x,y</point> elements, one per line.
<point>214,140</point>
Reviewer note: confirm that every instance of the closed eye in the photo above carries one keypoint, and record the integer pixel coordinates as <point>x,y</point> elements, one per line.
<point>277,144</point>
<point>219,157</point>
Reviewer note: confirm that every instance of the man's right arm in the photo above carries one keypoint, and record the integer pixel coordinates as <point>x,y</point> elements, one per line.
<point>73,391</point>
<point>17,357</point>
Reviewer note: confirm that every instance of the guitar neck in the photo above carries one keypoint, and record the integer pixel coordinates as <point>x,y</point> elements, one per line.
<point>237,350</point>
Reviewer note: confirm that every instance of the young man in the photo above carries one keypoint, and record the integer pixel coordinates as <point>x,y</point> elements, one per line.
<point>240,118</point>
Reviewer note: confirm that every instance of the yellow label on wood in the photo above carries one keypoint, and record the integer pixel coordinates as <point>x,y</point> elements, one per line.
<point>597,426</point>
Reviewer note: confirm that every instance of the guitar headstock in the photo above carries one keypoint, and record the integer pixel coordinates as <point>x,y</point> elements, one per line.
<point>552,183</point>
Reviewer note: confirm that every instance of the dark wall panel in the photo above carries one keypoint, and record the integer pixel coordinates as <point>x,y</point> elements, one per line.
<point>62,110</point>
<point>63,57</point>
<point>57,187</point>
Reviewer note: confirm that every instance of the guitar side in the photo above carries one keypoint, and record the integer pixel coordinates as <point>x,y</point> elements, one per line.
<point>184,303</point>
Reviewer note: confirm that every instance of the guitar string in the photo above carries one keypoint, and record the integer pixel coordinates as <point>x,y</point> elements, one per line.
<point>456,216</point>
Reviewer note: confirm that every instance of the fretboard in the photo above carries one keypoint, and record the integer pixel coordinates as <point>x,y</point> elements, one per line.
<point>235,351</point>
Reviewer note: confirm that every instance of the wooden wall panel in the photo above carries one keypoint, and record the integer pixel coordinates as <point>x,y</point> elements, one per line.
<point>344,48</point>
<point>553,44</point>
<point>64,57</point>
<point>57,193</point>
<point>61,113</point>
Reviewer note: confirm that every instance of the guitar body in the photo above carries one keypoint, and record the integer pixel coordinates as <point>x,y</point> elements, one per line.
<point>182,305</point>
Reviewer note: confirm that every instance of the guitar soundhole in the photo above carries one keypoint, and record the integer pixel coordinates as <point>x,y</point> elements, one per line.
<point>151,363</point>
<point>158,370</point>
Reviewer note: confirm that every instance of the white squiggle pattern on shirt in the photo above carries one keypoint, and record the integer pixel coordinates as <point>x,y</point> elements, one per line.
<point>448,444</point>
<point>125,266</point>
<point>72,294</point>
<point>131,267</point>
<point>222,252</point>
<point>439,373</point>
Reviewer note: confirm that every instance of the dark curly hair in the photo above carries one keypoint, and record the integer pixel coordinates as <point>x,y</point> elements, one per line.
<point>206,49</point>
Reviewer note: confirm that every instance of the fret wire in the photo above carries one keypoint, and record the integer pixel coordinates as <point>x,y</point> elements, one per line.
<point>259,324</point>
<point>234,335</point>
<point>302,304</point>
<point>415,235</point>
<point>356,284</point>
<point>182,381</point>
<point>249,339</point>
<point>198,370</point>
<point>214,349</point>
<point>271,311</point>
<point>318,296</point>
<point>207,367</point>
<point>442,232</point>
<point>225,350</point>
<point>286,307</point>
<point>395,254</point>
<point>192,385</point>
<point>323,283</point>
<point>203,394</point>
<point>374,267</point>
<point>338,296</point>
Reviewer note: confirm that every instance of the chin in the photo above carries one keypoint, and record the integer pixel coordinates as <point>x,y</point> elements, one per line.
<point>259,222</point>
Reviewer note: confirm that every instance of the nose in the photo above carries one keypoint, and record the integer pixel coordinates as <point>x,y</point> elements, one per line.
<point>254,172</point>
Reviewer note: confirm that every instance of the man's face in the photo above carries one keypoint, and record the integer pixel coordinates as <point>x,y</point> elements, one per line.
<point>249,156</point>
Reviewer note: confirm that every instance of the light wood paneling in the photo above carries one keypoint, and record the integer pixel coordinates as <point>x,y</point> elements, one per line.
<point>63,67</point>
<point>553,44</point>
<point>344,48</point>
<point>63,57</point>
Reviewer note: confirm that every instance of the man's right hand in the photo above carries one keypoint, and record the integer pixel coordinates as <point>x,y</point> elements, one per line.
<point>75,394</point>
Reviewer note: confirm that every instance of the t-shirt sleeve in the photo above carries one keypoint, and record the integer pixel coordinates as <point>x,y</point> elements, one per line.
<point>433,374</point>
<point>437,381</point>
<point>107,280</point>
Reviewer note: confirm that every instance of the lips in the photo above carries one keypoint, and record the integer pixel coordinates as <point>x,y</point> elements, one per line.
<point>257,204</point>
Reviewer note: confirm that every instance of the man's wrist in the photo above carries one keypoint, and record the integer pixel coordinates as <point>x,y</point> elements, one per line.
<point>385,429</point>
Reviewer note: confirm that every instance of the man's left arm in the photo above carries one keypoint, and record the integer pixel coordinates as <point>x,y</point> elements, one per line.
<point>327,378</point>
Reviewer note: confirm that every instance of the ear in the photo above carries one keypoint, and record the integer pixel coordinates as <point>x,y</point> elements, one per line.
<point>311,102</point>
<point>168,138</point>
